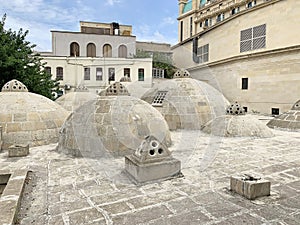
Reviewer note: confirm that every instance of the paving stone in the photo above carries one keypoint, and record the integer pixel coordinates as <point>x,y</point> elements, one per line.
<point>115,208</point>
<point>142,216</point>
<point>225,210</point>
<point>191,218</point>
<point>84,216</point>
<point>242,219</point>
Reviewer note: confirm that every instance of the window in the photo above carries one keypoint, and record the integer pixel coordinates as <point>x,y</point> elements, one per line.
<point>158,73</point>
<point>275,111</point>
<point>87,73</point>
<point>126,72</point>
<point>181,31</point>
<point>220,17</point>
<point>245,109</point>
<point>91,50</point>
<point>74,49</point>
<point>191,26</point>
<point>122,51</point>
<point>99,73</point>
<point>244,83</point>
<point>253,38</point>
<point>251,4</point>
<point>59,73</point>
<point>141,75</point>
<point>159,98</point>
<point>208,22</point>
<point>235,10</point>
<point>107,50</point>
<point>48,69</point>
<point>111,74</point>
<point>202,53</point>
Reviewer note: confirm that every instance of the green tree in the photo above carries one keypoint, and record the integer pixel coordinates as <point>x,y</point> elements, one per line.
<point>160,61</point>
<point>19,61</point>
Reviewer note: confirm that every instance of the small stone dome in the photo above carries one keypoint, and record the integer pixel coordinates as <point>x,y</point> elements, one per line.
<point>235,109</point>
<point>125,79</point>
<point>116,89</point>
<point>28,118</point>
<point>73,100</point>
<point>237,126</point>
<point>186,103</point>
<point>296,106</point>
<point>289,120</point>
<point>14,86</point>
<point>111,124</point>
<point>181,73</point>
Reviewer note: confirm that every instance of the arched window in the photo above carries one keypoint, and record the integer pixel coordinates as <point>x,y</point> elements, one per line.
<point>107,52</point>
<point>74,49</point>
<point>122,51</point>
<point>59,73</point>
<point>48,69</point>
<point>91,50</point>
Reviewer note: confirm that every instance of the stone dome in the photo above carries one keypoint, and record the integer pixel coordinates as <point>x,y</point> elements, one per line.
<point>125,79</point>
<point>235,109</point>
<point>186,103</point>
<point>111,124</point>
<point>73,100</point>
<point>237,126</point>
<point>28,118</point>
<point>289,120</point>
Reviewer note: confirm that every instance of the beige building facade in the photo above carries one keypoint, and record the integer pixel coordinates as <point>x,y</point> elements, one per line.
<point>249,50</point>
<point>95,57</point>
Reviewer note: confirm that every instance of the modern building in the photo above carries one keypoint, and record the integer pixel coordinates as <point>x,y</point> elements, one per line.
<point>249,50</point>
<point>96,56</point>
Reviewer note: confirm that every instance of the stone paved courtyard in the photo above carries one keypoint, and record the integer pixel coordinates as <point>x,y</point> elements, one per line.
<point>66,190</point>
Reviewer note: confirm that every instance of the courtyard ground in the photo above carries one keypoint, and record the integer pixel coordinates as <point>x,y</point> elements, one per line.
<point>65,190</point>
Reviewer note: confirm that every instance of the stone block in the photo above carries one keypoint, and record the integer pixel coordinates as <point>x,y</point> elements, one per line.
<point>142,173</point>
<point>18,150</point>
<point>152,161</point>
<point>250,187</point>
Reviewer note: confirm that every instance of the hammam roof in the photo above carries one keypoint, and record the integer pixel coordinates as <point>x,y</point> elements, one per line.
<point>73,100</point>
<point>186,103</point>
<point>237,126</point>
<point>111,124</point>
<point>28,118</point>
<point>289,120</point>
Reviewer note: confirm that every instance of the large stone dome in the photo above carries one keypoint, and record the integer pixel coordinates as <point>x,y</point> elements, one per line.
<point>289,121</point>
<point>237,126</point>
<point>114,123</point>
<point>186,103</point>
<point>28,118</point>
<point>73,100</point>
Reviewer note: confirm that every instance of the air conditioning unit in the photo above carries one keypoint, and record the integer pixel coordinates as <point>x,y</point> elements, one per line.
<point>67,87</point>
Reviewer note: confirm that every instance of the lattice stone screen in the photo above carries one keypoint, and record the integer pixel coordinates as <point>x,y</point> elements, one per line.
<point>159,98</point>
<point>253,38</point>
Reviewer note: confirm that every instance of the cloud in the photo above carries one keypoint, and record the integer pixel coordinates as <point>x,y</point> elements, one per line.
<point>168,21</point>
<point>112,2</point>
<point>40,16</point>
<point>145,33</point>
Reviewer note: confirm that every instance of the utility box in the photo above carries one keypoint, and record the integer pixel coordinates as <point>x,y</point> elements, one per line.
<point>250,186</point>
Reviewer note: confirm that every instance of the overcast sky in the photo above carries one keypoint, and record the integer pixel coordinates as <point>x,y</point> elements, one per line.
<point>151,20</point>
